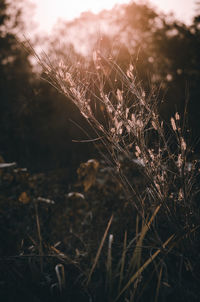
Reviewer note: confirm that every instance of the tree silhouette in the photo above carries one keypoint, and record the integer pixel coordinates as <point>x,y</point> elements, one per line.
<point>15,76</point>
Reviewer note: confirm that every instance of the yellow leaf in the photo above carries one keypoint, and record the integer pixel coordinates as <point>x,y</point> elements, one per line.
<point>87,173</point>
<point>24,198</point>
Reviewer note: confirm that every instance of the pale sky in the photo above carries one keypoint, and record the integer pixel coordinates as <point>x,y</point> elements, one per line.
<point>47,12</point>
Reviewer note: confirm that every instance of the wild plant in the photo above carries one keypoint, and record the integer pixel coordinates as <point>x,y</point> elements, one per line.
<point>128,124</point>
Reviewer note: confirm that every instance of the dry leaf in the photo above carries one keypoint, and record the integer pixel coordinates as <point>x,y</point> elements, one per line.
<point>87,173</point>
<point>24,198</point>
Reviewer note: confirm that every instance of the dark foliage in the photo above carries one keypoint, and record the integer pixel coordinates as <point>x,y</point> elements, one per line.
<point>47,216</point>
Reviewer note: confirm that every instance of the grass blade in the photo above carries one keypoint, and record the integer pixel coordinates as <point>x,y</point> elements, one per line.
<point>141,269</point>
<point>122,261</point>
<point>136,258</point>
<point>99,250</point>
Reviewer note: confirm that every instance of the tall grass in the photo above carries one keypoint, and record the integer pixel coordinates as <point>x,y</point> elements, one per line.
<point>127,122</point>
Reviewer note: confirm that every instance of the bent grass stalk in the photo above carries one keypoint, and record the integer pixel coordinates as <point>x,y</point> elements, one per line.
<point>60,273</point>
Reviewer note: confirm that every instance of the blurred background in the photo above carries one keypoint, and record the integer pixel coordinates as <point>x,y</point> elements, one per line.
<point>160,38</point>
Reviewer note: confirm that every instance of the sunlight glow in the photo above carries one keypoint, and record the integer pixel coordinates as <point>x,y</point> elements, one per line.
<point>47,12</point>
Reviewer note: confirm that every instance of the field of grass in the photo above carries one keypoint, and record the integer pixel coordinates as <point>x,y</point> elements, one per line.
<point>127,227</point>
